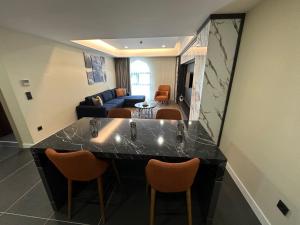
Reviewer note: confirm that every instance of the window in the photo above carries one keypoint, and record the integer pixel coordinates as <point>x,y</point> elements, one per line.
<point>140,78</point>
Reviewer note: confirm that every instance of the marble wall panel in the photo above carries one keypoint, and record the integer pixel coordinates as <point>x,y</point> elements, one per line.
<point>223,35</point>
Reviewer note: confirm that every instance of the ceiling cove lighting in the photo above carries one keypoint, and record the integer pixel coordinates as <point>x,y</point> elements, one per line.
<point>102,46</point>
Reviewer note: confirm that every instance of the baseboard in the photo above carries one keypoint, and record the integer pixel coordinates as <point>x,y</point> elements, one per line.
<point>254,206</point>
<point>27,145</point>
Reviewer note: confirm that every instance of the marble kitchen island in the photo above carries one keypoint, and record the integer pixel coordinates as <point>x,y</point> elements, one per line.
<point>114,139</point>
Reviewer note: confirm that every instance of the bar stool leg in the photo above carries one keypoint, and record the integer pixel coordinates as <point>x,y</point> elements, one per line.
<point>69,198</point>
<point>152,206</point>
<point>189,206</point>
<point>101,200</point>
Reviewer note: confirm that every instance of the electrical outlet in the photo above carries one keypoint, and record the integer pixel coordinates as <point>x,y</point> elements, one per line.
<point>40,128</point>
<point>28,95</point>
<point>282,207</point>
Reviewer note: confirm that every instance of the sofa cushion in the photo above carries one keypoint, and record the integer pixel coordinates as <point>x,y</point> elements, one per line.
<point>131,100</point>
<point>90,111</point>
<point>109,106</point>
<point>116,101</point>
<point>106,95</point>
<point>113,92</point>
<point>122,97</point>
<point>135,97</point>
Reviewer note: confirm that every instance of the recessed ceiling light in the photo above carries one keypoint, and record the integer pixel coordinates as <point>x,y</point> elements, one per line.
<point>163,46</point>
<point>125,46</point>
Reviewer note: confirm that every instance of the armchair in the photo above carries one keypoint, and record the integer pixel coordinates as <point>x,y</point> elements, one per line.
<point>163,93</point>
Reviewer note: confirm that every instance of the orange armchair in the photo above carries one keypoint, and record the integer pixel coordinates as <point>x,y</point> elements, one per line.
<point>163,93</point>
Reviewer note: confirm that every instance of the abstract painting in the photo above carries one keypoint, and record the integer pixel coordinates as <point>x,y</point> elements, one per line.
<point>95,68</point>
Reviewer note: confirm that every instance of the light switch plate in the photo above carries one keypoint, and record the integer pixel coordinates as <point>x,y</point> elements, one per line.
<point>25,83</point>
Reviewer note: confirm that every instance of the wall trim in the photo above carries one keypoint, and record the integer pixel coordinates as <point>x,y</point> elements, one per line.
<point>254,206</point>
<point>27,145</point>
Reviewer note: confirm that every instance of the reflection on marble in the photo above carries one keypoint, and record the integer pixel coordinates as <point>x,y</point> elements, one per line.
<point>223,37</point>
<point>154,138</point>
<point>199,69</point>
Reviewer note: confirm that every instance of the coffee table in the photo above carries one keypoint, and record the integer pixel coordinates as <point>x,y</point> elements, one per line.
<point>145,111</point>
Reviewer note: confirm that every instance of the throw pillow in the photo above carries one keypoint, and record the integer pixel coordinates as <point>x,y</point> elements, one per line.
<point>121,92</point>
<point>100,100</point>
<point>97,101</point>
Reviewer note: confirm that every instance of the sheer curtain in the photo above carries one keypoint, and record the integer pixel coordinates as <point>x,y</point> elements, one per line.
<point>140,76</point>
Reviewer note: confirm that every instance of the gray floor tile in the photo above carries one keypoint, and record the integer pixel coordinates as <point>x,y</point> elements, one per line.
<point>81,213</point>
<point>129,205</point>
<point>20,220</point>
<point>14,162</point>
<point>8,137</point>
<point>8,150</point>
<point>232,208</point>
<point>34,203</point>
<point>51,222</point>
<point>16,186</point>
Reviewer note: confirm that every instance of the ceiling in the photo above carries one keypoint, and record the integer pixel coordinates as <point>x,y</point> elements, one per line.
<point>65,20</point>
<point>147,43</point>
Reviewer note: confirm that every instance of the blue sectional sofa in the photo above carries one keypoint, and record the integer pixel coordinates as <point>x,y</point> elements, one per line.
<point>86,108</point>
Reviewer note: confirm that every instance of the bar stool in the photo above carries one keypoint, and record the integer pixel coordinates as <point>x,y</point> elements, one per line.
<point>119,113</point>
<point>168,114</point>
<point>79,166</point>
<point>171,177</point>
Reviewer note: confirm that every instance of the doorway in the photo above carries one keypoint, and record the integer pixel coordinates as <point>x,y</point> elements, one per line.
<point>6,132</point>
<point>185,85</point>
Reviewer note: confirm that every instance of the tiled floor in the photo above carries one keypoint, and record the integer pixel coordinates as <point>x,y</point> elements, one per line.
<point>23,200</point>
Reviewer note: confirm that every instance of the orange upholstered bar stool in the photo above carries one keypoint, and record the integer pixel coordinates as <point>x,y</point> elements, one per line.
<point>171,177</point>
<point>79,166</point>
<point>119,113</point>
<point>168,114</point>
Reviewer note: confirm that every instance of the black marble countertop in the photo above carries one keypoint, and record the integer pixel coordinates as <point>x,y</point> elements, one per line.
<point>154,139</point>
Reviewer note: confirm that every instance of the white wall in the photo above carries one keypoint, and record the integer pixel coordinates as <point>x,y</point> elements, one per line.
<point>162,71</point>
<point>262,127</point>
<point>58,82</point>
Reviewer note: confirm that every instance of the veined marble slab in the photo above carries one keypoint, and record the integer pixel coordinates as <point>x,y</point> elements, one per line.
<point>223,37</point>
<point>154,139</point>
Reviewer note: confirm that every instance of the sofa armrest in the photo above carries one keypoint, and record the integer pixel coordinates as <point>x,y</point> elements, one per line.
<point>90,111</point>
<point>82,103</point>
